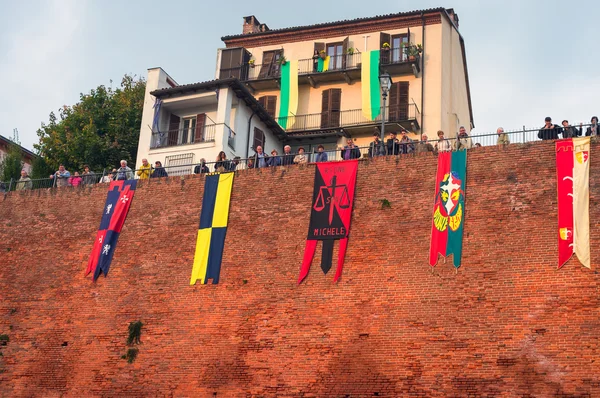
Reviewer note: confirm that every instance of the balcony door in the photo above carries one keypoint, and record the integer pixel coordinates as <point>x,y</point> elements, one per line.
<point>330,108</point>
<point>398,54</point>
<point>398,108</point>
<point>270,64</point>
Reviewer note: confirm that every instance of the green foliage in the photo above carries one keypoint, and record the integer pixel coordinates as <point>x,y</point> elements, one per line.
<point>135,331</point>
<point>11,165</point>
<point>100,130</point>
<point>40,168</point>
<point>385,204</point>
<point>131,355</point>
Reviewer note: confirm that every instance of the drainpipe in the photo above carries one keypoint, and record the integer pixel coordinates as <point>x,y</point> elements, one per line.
<point>248,135</point>
<point>423,74</point>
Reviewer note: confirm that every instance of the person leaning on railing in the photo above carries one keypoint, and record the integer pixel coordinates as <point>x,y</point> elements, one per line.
<point>300,158</point>
<point>275,159</point>
<point>145,170</point>
<point>406,144</point>
<point>593,130</point>
<point>201,168</point>
<point>61,176</point>
<point>502,137</point>
<point>159,171</point>
<point>124,172</point>
<point>549,131</point>
<point>393,144</point>
<point>321,154</point>
<point>463,140</point>
<point>350,151</point>
<point>24,182</point>
<point>89,177</point>
<point>443,145</point>
<point>288,157</point>
<point>376,147</point>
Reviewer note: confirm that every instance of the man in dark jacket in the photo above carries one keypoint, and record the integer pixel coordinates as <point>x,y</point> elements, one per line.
<point>201,168</point>
<point>288,157</point>
<point>376,147</point>
<point>159,171</point>
<point>570,131</point>
<point>549,131</point>
<point>594,129</point>
<point>350,151</point>
<point>393,144</point>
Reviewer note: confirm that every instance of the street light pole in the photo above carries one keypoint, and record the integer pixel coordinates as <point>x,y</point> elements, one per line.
<point>385,81</point>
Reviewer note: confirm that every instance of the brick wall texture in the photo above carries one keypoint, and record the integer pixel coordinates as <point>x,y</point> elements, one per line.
<point>507,323</point>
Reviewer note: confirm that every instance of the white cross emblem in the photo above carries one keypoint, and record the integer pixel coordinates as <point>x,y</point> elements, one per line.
<point>105,250</point>
<point>124,199</point>
<point>108,208</point>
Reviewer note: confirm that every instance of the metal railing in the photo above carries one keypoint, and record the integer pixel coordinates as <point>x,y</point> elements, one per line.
<point>181,136</point>
<point>396,56</point>
<point>349,118</point>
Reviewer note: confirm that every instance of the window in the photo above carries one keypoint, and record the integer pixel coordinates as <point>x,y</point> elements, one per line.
<point>398,54</point>
<point>178,165</point>
<point>336,53</point>
<point>330,107</point>
<point>269,102</point>
<point>259,138</point>
<point>270,64</point>
<point>186,135</point>
<point>398,110</point>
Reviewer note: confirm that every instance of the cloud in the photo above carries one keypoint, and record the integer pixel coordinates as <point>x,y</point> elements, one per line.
<point>38,63</point>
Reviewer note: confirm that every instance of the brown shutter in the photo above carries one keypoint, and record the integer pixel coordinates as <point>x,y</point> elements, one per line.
<point>173,130</point>
<point>325,109</point>
<point>200,122</point>
<point>398,109</point>
<point>259,138</point>
<point>384,55</point>
<point>231,63</point>
<point>266,64</point>
<point>269,102</point>
<point>335,98</point>
<point>344,52</point>
<point>403,100</point>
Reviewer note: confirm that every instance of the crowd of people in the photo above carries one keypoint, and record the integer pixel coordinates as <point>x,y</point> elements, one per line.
<point>392,146</point>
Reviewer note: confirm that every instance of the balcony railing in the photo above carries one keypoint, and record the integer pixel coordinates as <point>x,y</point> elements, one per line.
<point>182,136</point>
<point>395,58</point>
<point>349,118</point>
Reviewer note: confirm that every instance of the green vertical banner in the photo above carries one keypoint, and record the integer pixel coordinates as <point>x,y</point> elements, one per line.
<point>370,89</point>
<point>288,103</point>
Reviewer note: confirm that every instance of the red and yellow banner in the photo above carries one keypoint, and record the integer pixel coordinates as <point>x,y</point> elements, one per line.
<point>573,186</point>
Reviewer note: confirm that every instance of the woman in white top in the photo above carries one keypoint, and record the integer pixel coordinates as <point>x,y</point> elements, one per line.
<point>443,145</point>
<point>300,157</point>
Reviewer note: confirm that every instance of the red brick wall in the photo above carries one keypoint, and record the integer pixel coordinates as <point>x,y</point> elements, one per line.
<point>507,323</point>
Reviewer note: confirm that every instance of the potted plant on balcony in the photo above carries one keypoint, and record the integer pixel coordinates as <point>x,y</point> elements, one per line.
<point>350,51</point>
<point>282,61</point>
<point>412,51</point>
<point>385,46</point>
<point>322,54</point>
<point>251,63</point>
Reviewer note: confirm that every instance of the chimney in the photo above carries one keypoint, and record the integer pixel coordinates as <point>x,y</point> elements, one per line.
<point>251,25</point>
<point>453,16</point>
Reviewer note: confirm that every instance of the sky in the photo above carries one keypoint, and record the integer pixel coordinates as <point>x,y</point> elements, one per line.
<point>526,59</point>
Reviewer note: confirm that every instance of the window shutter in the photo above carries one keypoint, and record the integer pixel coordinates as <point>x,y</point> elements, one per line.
<point>335,98</point>
<point>231,63</point>
<point>403,100</point>
<point>200,122</point>
<point>398,109</point>
<point>173,130</point>
<point>259,138</point>
<point>384,55</point>
<point>325,109</point>
<point>344,52</point>
<point>269,102</point>
<point>266,64</point>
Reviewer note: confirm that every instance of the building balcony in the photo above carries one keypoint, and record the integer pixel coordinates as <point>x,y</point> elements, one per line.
<point>397,117</point>
<point>312,71</point>
<point>183,136</point>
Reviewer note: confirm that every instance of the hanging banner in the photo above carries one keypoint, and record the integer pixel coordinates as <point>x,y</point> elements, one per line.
<point>331,213</point>
<point>369,81</point>
<point>449,207</point>
<point>288,95</point>
<point>573,186</point>
<point>214,216</point>
<point>116,208</point>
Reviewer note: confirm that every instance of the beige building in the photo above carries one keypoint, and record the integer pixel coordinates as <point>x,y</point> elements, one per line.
<point>430,91</point>
<point>182,124</point>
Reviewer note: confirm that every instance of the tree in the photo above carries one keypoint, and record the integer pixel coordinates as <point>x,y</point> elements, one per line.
<point>11,164</point>
<point>100,130</point>
<point>40,168</point>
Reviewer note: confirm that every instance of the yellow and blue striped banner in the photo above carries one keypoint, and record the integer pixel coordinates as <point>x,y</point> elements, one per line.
<point>213,227</point>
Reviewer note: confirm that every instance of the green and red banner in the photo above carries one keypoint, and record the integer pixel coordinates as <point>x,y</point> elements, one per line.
<point>331,213</point>
<point>449,207</point>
